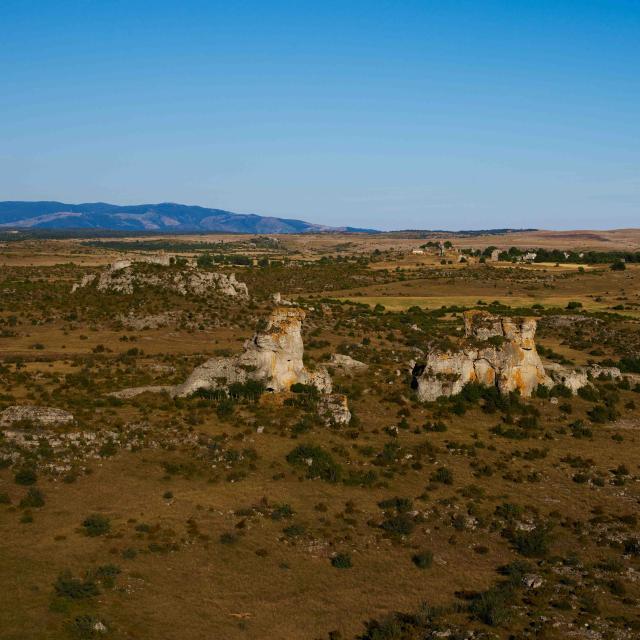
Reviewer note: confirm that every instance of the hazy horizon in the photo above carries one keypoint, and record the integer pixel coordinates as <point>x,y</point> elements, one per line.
<point>391,116</point>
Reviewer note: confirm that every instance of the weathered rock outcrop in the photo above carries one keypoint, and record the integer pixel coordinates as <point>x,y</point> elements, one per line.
<point>334,408</point>
<point>124,276</point>
<point>579,377</point>
<point>346,363</point>
<point>40,416</point>
<point>273,356</point>
<point>573,379</point>
<point>497,352</point>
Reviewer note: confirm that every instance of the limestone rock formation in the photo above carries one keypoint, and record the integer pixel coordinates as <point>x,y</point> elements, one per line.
<point>273,355</point>
<point>573,379</point>
<point>497,352</point>
<point>334,408</point>
<point>123,276</point>
<point>40,416</point>
<point>346,363</point>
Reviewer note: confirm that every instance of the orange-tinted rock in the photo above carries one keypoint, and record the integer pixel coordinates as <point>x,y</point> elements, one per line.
<point>508,359</point>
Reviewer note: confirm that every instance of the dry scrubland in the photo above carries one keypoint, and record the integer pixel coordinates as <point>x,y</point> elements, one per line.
<point>188,518</point>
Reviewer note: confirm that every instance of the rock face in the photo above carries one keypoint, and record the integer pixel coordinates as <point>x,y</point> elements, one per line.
<point>273,356</point>
<point>124,277</point>
<point>40,416</point>
<point>498,352</point>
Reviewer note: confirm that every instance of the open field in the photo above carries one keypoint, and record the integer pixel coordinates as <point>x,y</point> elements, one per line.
<point>512,518</point>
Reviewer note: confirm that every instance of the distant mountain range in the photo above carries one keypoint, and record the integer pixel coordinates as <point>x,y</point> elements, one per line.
<point>164,217</point>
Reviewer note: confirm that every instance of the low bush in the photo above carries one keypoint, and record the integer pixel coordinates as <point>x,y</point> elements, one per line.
<point>66,586</point>
<point>341,561</point>
<point>422,560</point>
<point>96,525</point>
<point>317,462</point>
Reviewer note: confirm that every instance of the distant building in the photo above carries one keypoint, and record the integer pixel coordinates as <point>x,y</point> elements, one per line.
<point>495,255</point>
<point>529,256</point>
<point>417,252</point>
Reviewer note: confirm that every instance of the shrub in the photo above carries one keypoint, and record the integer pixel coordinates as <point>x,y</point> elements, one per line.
<point>317,462</point>
<point>281,511</point>
<point>534,543</point>
<point>491,607</point>
<point>225,408</point>
<point>228,538</point>
<point>341,561</point>
<point>96,525</point>
<point>25,476</point>
<point>34,498</point>
<point>422,560</point>
<point>294,530</point>
<point>107,574</point>
<point>397,503</point>
<point>632,546</point>
<point>600,413</point>
<point>66,586</point>
<point>401,524</point>
<point>442,475</point>
<point>588,393</point>
<point>87,626</point>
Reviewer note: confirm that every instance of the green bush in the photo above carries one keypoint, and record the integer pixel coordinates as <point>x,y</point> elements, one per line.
<point>317,462</point>
<point>34,498</point>
<point>25,476</point>
<point>401,524</point>
<point>66,586</point>
<point>534,543</point>
<point>96,525</point>
<point>228,538</point>
<point>281,511</point>
<point>341,561</point>
<point>422,560</point>
<point>492,607</point>
<point>442,475</point>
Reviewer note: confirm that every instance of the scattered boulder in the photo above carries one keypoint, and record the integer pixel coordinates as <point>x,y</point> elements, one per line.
<point>40,416</point>
<point>497,351</point>
<point>346,363</point>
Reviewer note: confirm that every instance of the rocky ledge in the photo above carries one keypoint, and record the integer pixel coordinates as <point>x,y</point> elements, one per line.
<point>38,416</point>
<point>125,276</point>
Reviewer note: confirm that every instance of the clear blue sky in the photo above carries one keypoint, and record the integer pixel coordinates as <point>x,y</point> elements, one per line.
<point>401,114</point>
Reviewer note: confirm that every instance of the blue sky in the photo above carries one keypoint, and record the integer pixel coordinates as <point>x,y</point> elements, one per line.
<point>447,114</point>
